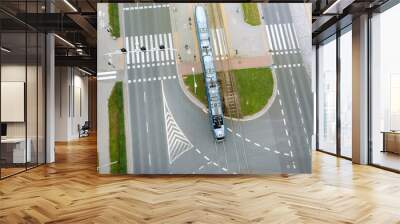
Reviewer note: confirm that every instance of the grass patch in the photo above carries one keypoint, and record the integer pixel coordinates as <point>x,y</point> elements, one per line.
<point>201,89</point>
<point>255,87</point>
<point>113,17</point>
<point>117,129</point>
<point>251,14</point>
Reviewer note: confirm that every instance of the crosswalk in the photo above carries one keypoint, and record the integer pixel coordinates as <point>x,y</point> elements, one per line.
<point>141,7</point>
<point>219,44</point>
<point>153,56</point>
<point>282,38</point>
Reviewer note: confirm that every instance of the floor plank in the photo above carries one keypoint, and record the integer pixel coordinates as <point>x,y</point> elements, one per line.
<point>71,191</point>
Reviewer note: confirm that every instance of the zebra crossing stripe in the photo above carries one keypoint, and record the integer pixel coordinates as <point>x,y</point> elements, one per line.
<point>269,38</point>
<point>283,36</point>
<point>136,46</point>
<point>177,142</point>
<point>166,47</point>
<point>128,61</point>
<point>287,37</point>
<point>132,47</point>
<point>291,35</point>
<point>278,39</point>
<point>161,42</point>
<point>295,35</point>
<point>219,42</point>
<point>141,44</point>
<point>147,47</point>
<point>171,46</point>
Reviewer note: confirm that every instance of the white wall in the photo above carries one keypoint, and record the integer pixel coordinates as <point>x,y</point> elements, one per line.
<point>71,87</point>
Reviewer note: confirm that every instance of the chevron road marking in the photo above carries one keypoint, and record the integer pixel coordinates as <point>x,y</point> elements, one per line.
<point>177,142</point>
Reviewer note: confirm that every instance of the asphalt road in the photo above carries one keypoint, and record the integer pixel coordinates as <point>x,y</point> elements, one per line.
<point>172,135</point>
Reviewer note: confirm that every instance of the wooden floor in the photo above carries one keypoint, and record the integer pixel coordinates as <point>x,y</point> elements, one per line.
<point>70,191</point>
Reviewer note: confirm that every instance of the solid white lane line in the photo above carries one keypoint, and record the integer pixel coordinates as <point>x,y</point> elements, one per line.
<point>271,47</point>
<point>171,46</point>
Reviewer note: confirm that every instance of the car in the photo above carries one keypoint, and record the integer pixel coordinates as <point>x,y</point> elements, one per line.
<point>143,48</point>
<point>162,47</point>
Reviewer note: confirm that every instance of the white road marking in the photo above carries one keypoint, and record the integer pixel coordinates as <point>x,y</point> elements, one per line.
<point>277,152</point>
<point>144,96</point>
<point>198,151</point>
<point>283,36</point>
<point>171,45</point>
<point>128,61</point>
<point>283,113</point>
<point>269,38</point>
<point>287,133</point>
<point>284,121</point>
<point>224,169</point>
<point>230,130</point>
<point>147,127</point>
<point>247,140</point>
<point>289,143</point>
<point>266,148</point>
<point>256,144</point>
<point>237,134</point>
<point>205,157</point>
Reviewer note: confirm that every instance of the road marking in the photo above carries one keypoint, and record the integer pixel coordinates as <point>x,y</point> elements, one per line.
<point>141,45</point>
<point>287,133</point>
<point>247,140</point>
<point>266,148</point>
<point>215,164</point>
<point>291,35</point>
<point>147,127</point>
<point>284,121</point>
<point>160,38</point>
<point>214,39</point>
<point>286,154</point>
<point>283,113</point>
<point>147,48</point>
<point>152,47</point>
<point>177,141</point>
<point>283,36</point>
<point>230,130</point>
<point>237,134</point>
<point>150,160</point>
<point>224,169</point>
<point>278,39</point>
<point>219,41</point>
<point>277,152</point>
<point>198,151</point>
<point>128,61</point>
<point>290,144</point>
<point>269,38</point>
<point>166,47</point>
<point>201,167</point>
<point>106,77</point>
<point>144,96</point>
<point>171,46</point>
<point>205,157</point>
<point>280,102</point>
<point>256,144</point>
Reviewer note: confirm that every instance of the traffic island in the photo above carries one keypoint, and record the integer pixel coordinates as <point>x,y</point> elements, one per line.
<point>251,14</point>
<point>255,88</point>
<point>114,19</point>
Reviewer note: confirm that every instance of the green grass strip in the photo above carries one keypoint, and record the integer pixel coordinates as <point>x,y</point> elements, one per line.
<point>113,17</point>
<point>254,85</point>
<point>117,129</point>
<point>251,14</point>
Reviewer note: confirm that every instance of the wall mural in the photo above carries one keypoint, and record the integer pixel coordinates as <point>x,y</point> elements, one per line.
<point>196,88</point>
